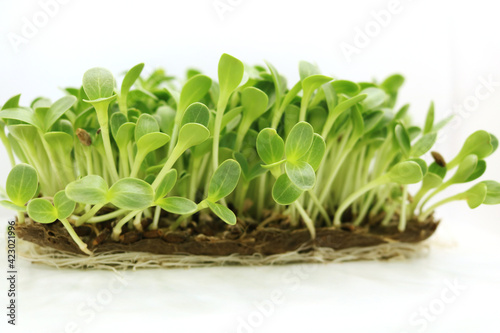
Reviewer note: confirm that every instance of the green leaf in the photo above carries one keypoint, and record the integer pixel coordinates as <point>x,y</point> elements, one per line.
<point>284,191</point>
<point>192,134</point>
<point>232,116</point>
<point>422,164</point>
<point>424,144</point>
<point>407,172</point>
<point>478,143</point>
<point>494,143</point>
<point>131,194</point>
<point>224,180</point>
<point>465,170</point>
<point>167,184</point>
<point>345,105</point>
<point>345,87</point>
<point>358,126</point>
<point>166,118</point>
<point>431,180</point>
<point>403,139</point>
<point>116,121</point>
<point>478,171</point>
<point>299,141</point>
<point>145,124</point>
<point>151,141</point>
<point>64,205</point>
<point>313,82</point>
<point>194,90</point>
<point>392,84</point>
<point>254,102</point>
<point>301,174</point>
<point>492,193</point>
<point>374,98</point>
<point>98,84</point>
<point>372,119</point>
<point>132,75</point>
<point>124,135</point>
<point>224,213</point>
<point>230,74</point>
<point>90,190</point>
<point>57,110</point>
<point>307,69</point>
<point>22,184</point>
<point>177,205</point>
<point>476,195</point>
<point>270,146</point>
<point>196,113</point>
<point>438,170</point>
<point>60,143</point>
<point>12,206</point>
<point>315,154</point>
<point>42,211</point>
<point>429,120</point>
<point>13,102</point>
<point>21,114</point>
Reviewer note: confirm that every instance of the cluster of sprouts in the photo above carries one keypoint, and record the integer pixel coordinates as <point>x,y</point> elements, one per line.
<point>323,151</point>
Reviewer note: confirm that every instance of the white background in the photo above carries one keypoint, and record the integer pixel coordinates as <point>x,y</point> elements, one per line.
<point>445,49</point>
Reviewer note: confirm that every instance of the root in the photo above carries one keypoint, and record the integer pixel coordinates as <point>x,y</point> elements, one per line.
<point>135,260</point>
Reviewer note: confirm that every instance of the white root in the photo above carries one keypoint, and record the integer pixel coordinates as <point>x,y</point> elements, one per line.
<point>135,260</point>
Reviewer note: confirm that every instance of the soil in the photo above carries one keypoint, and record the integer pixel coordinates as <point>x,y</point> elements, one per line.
<point>209,236</point>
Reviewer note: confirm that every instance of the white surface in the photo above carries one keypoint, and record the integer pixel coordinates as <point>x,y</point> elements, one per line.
<point>443,48</point>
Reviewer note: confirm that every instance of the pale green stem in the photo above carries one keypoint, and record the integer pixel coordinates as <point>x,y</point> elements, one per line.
<point>202,205</point>
<point>173,138</point>
<point>124,162</point>
<point>388,216</point>
<point>75,237</point>
<point>139,158</point>
<point>137,222</point>
<point>217,128</point>
<point>307,220</point>
<point>428,212</point>
<point>438,190</point>
<point>402,216</point>
<point>8,147</point>
<point>102,117</point>
<point>117,230</point>
<point>156,219</point>
<point>350,199</point>
<point>241,196</point>
<point>321,209</point>
<point>262,195</point>
<point>20,217</point>
<point>88,158</point>
<point>85,217</point>
<point>364,208</point>
<point>176,153</point>
<point>109,153</point>
<point>107,217</point>
<point>56,173</point>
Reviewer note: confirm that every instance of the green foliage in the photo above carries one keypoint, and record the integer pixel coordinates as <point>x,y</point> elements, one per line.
<point>224,180</point>
<point>131,194</point>
<point>285,192</point>
<point>22,184</point>
<point>312,150</point>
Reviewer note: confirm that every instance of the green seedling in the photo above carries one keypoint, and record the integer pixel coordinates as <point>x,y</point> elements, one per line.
<point>99,85</point>
<point>320,151</point>
<point>42,211</point>
<point>21,187</point>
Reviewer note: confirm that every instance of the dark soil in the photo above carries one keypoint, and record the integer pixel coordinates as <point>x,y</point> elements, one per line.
<point>208,236</point>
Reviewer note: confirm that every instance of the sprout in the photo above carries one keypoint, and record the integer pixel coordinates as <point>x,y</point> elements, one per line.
<point>320,151</point>
<point>42,211</point>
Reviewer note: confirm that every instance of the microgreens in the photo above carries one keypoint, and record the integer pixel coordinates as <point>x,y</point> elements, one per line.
<point>321,150</point>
